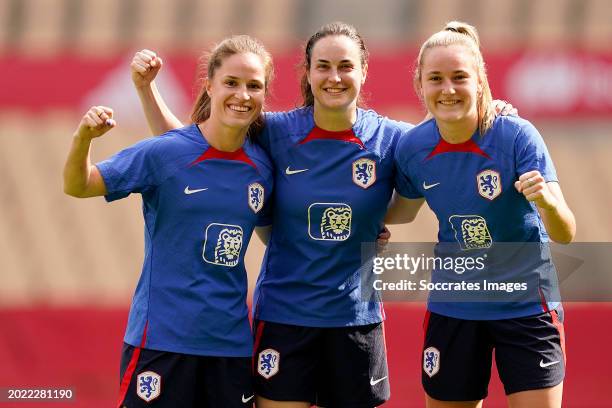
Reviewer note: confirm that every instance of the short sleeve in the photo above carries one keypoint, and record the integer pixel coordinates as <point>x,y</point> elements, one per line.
<point>131,170</point>
<point>403,180</point>
<point>532,154</point>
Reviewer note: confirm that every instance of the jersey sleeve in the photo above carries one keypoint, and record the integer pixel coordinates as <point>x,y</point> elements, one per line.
<point>132,170</point>
<point>403,182</point>
<point>273,124</point>
<point>532,154</point>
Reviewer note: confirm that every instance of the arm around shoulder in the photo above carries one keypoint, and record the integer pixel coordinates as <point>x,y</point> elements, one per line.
<point>145,67</point>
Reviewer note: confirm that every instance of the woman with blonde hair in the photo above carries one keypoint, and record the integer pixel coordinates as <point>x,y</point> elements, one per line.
<point>493,187</point>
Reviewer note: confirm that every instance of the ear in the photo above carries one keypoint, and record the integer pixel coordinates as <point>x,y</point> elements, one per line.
<point>418,89</point>
<point>207,85</point>
<point>365,73</point>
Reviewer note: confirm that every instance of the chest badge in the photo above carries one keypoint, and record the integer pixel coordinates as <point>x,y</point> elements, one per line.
<point>489,184</point>
<point>222,244</point>
<point>256,197</point>
<point>364,172</point>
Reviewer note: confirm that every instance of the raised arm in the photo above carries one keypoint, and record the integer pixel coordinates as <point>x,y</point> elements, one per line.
<point>558,219</point>
<point>145,66</point>
<point>81,178</point>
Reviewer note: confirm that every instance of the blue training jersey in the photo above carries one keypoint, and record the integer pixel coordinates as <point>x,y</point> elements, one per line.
<point>331,194</point>
<point>200,206</point>
<point>470,188</point>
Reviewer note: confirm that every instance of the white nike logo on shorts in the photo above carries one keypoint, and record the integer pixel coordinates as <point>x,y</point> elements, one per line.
<point>374,382</point>
<point>544,365</point>
<point>289,172</point>
<point>245,400</point>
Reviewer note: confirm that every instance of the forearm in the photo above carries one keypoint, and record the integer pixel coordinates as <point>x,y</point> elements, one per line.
<point>402,210</point>
<point>78,169</point>
<point>159,117</point>
<point>264,233</point>
<point>560,223</point>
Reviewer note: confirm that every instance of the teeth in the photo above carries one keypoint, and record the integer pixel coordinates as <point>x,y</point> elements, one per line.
<point>448,102</point>
<point>238,108</point>
<point>334,90</point>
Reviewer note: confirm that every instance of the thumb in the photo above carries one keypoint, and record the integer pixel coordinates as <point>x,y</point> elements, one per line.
<point>517,185</point>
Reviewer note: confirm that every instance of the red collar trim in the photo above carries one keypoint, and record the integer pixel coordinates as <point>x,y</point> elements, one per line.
<point>466,147</point>
<point>212,153</point>
<point>343,135</point>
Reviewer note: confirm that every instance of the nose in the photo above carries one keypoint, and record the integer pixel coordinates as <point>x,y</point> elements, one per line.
<point>334,76</point>
<point>242,93</point>
<point>448,88</point>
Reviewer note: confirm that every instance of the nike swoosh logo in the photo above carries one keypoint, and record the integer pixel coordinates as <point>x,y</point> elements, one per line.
<point>428,186</point>
<point>544,365</point>
<point>245,400</point>
<point>374,382</point>
<point>289,172</point>
<point>197,190</point>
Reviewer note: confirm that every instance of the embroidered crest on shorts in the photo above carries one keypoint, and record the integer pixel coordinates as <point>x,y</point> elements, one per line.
<point>489,184</point>
<point>222,244</point>
<point>329,221</point>
<point>256,197</point>
<point>148,385</point>
<point>267,362</point>
<point>471,231</point>
<point>364,172</point>
<point>431,361</point>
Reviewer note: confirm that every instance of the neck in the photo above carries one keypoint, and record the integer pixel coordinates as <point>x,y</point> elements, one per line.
<point>455,133</point>
<point>334,120</point>
<point>221,137</point>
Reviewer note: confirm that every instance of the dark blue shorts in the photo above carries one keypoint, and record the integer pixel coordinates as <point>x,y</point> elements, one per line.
<point>457,355</point>
<point>151,378</point>
<point>330,367</point>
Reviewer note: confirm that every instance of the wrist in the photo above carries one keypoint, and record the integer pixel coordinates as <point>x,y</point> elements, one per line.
<point>550,207</point>
<point>144,86</point>
<point>81,138</point>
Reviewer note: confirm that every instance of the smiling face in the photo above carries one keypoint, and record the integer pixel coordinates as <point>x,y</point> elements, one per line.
<point>237,90</point>
<point>449,85</point>
<point>335,73</point>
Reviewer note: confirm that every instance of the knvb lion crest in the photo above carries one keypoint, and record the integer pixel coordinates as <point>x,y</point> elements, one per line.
<point>489,184</point>
<point>222,244</point>
<point>148,386</point>
<point>431,361</point>
<point>329,221</point>
<point>471,231</point>
<point>256,197</point>
<point>364,172</point>
<point>267,363</point>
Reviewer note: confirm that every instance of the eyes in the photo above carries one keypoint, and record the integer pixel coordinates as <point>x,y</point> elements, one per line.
<point>344,67</point>
<point>252,85</point>
<point>458,77</point>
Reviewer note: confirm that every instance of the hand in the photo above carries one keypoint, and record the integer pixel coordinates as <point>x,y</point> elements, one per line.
<point>145,66</point>
<point>533,186</point>
<point>97,121</point>
<point>382,240</point>
<point>503,108</point>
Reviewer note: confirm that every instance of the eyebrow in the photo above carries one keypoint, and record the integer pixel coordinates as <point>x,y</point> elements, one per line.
<point>458,71</point>
<point>235,77</point>
<point>342,61</point>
